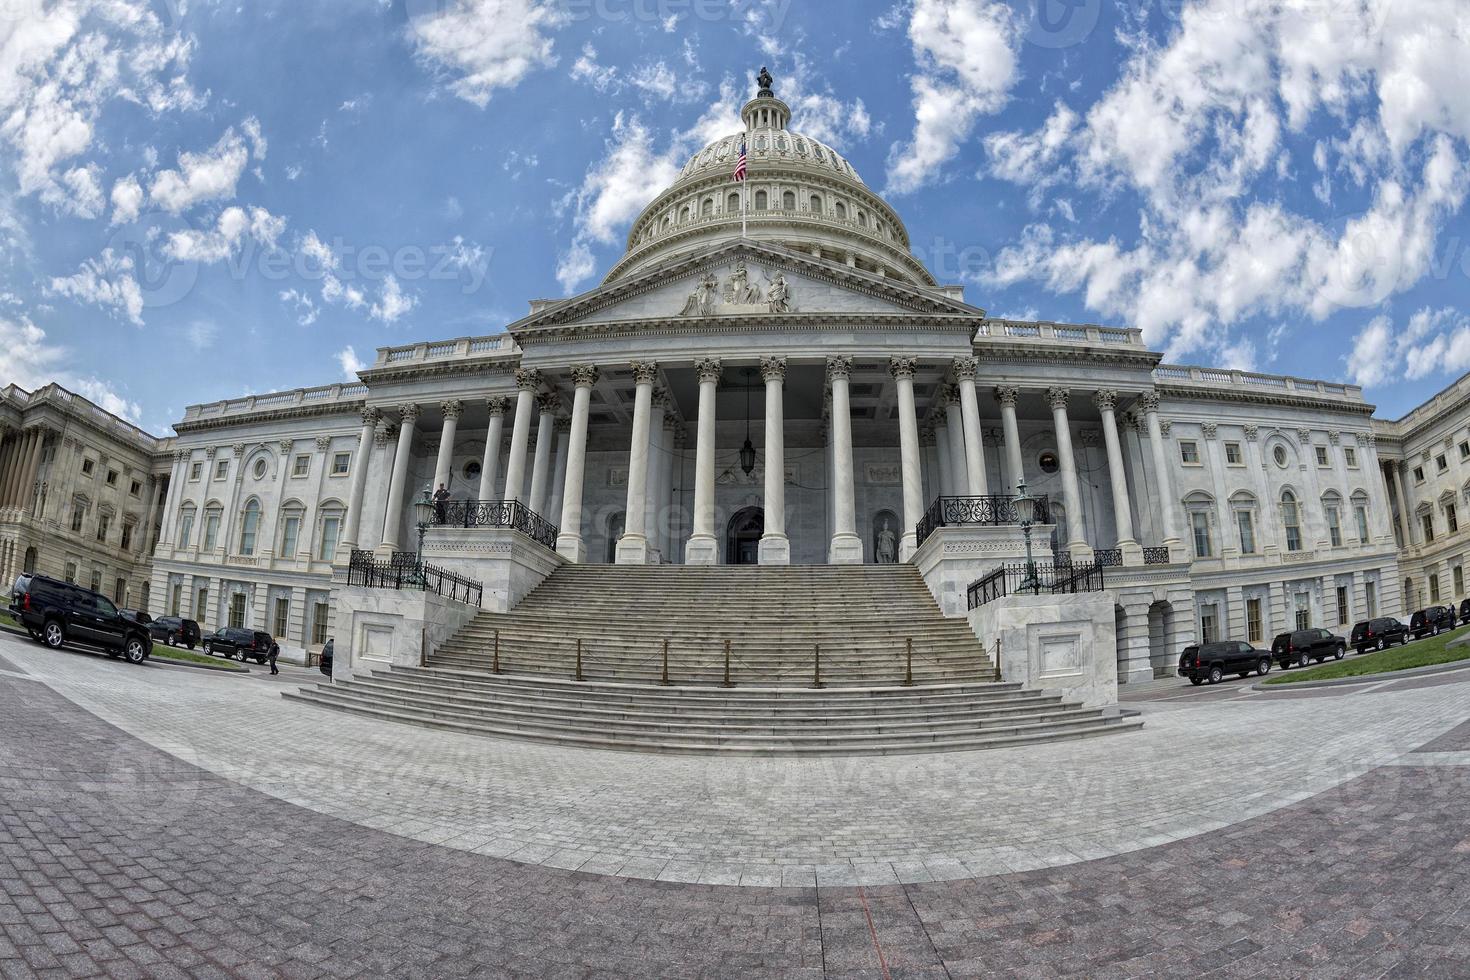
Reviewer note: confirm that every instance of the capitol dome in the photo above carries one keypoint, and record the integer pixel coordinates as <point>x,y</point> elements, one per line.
<point>801,194</point>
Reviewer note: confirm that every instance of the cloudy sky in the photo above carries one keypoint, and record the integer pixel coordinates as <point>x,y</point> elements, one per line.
<point>204,199</point>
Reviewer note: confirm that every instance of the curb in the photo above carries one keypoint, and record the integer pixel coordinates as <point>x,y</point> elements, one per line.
<point>170,662</point>
<point>1389,675</point>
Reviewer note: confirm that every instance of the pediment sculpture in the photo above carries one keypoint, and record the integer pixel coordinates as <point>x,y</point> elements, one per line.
<point>739,294</point>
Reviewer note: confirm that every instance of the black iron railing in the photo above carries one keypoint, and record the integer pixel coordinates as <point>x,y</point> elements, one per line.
<point>1041,578</point>
<point>1156,556</point>
<point>1108,557</point>
<point>995,510</point>
<point>366,573</point>
<point>496,513</point>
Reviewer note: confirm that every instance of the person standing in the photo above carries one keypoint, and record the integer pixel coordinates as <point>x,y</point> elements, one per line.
<point>275,652</point>
<point>441,502</point>
<point>328,655</point>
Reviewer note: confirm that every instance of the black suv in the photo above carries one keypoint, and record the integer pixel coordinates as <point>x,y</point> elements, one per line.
<point>242,644</point>
<point>1212,661</point>
<point>1378,634</point>
<point>175,630</point>
<point>56,613</point>
<point>1431,620</point>
<point>1300,647</point>
<point>1465,611</point>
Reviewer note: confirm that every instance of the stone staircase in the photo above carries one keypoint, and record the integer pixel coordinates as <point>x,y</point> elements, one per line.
<point>860,618</point>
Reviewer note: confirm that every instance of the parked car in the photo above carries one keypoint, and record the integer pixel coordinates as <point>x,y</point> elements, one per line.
<point>241,644</point>
<point>327,658</point>
<point>56,613</point>
<point>1300,648</point>
<point>175,631</point>
<point>1431,620</point>
<point>1378,634</point>
<point>136,615</point>
<point>1212,661</point>
<point>1465,611</point>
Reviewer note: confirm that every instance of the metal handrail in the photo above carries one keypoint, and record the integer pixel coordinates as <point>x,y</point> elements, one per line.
<point>495,513</point>
<point>1156,556</point>
<point>1035,579</point>
<point>364,572</point>
<point>994,510</point>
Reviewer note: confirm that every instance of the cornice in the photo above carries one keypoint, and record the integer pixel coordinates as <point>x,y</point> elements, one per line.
<point>352,407</point>
<point>785,323</point>
<point>1052,352</point>
<point>446,367</point>
<point>1278,399</point>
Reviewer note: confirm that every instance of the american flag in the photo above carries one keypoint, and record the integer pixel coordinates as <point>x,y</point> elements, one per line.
<point>740,164</point>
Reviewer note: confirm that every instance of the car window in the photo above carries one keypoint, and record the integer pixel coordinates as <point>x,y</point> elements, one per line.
<point>104,605</point>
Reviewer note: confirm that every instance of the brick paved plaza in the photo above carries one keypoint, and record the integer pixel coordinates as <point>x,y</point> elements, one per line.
<point>164,822</point>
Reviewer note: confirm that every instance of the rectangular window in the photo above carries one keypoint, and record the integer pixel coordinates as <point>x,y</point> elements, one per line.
<point>237,610</point>
<point>1459,574</point>
<point>290,537</point>
<point>282,616</point>
<point>1253,620</point>
<point>1189,452</point>
<point>120,591</point>
<point>87,466</point>
<point>104,522</point>
<point>1334,527</point>
<point>211,531</point>
<point>71,572</point>
<point>176,599</point>
<point>221,469</point>
<point>1418,474</point>
<point>1209,619</point>
<point>301,465</point>
<point>1247,528</point>
<point>1427,520</point>
<point>1350,455</point>
<point>1232,453</point>
<point>330,527</point>
<point>340,462</point>
<point>1370,598</point>
<point>127,537</point>
<point>1360,514</point>
<point>196,470</point>
<point>1441,463</point>
<point>1303,611</point>
<point>1200,522</point>
<point>1321,455</point>
<point>78,514</point>
<point>96,583</point>
<point>1342,605</point>
<point>201,605</point>
<point>1465,450</point>
<point>136,488</point>
<point>112,478</point>
<point>1451,518</point>
<point>186,530</point>
<point>319,624</point>
<point>1434,588</point>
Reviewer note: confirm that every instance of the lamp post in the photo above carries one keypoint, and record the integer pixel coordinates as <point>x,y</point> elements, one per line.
<point>1026,515</point>
<point>423,512</point>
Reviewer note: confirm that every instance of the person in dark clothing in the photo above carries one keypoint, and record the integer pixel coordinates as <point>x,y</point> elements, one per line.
<point>275,652</point>
<point>441,502</point>
<point>327,656</point>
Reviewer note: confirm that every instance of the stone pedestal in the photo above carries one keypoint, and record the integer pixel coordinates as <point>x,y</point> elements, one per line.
<point>572,548</point>
<point>775,550</point>
<point>507,563</point>
<point>702,550</point>
<point>1063,643</point>
<point>378,628</point>
<point>846,549</point>
<point>633,550</point>
<point>952,557</point>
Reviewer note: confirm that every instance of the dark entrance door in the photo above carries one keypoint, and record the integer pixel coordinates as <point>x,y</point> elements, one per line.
<point>743,539</point>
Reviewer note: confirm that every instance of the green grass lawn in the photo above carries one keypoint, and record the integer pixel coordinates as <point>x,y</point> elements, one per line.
<point>164,652</point>
<point>1419,653</point>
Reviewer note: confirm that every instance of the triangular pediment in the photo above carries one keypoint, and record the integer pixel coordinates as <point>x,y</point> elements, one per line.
<point>744,279</point>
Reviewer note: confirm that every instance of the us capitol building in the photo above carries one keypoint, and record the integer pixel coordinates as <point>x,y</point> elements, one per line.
<point>790,388</point>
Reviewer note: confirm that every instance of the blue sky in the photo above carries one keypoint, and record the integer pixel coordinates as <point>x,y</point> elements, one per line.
<point>201,199</point>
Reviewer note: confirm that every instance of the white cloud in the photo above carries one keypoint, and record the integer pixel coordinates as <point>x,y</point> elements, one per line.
<point>31,361</point>
<point>127,200</point>
<point>479,46</point>
<point>347,359</point>
<point>1432,342</point>
<point>234,226</point>
<point>587,69</point>
<point>106,281</point>
<point>206,176</point>
<point>655,79</point>
<point>201,334</point>
<point>966,55</point>
<point>306,309</point>
<point>392,302</point>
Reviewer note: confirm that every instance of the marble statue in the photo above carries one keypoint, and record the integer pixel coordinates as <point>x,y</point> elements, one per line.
<point>740,289</point>
<point>779,298</point>
<point>764,80</point>
<point>701,302</point>
<point>887,552</point>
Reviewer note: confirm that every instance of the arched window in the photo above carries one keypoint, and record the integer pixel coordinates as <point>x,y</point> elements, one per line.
<point>732,204</point>
<point>1360,515</point>
<point>1243,507</point>
<point>816,204</point>
<point>708,207</point>
<point>762,201</point>
<point>840,210</point>
<point>862,219</point>
<point>1291,519</point>
<point>211,527</point>
<point>186,525</point>
<point>1332,515</point>
<point>249,525</point>
<point>788,201</point>
<point>330,531</point>
<point>1200,507</point>
<point>29,567</point>
<point>292,517</point>
<point>683,214</point>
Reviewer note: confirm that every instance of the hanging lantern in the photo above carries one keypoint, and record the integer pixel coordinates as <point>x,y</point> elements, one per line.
<point>747,451</point>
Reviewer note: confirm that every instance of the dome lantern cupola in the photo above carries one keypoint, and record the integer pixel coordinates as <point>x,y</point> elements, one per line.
<point>765,111</point>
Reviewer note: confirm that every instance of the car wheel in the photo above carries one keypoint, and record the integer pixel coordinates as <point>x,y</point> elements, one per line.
<point>1304,661</point>
<point>1216,675</point>
<point>135,652</point>
<point>190,644</point>
<point>53,634</point>
<point>1341,652</point>
<point>1263,667</point>
<point>1382,643</point>
<point>1196,681</point>
<point>173,639</point>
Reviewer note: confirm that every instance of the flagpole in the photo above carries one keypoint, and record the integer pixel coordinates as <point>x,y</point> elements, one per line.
<point>744,196</point>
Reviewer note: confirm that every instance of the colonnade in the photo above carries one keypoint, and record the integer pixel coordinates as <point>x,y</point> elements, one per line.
<point>20,464</point>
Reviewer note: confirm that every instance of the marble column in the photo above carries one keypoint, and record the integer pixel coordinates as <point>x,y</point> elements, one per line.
<point>452,410</point>
<point>490,463</point>
<point>353,519</point>
<point>177,475</point>
<point>549,404</point>
<point>1008,395</point>
<point>1122,510</point>
<point>633,545</point>
<point>569,543</point>
<point>775,546</point>
<point>670,441</point>
<point>1406,520</point>
<point>1163,475</point>
<point>398,488</point>
<point>846,547</point>
<point>902,369</point>
<point>563,429</point>
<point>703,547</point>
<point>954,434</point>
<point>653,507</point>
<point>527,380</point>
<point>964,371</point>
<point>1071,495</point>
<point>945,487</point>
<point>19,461</point>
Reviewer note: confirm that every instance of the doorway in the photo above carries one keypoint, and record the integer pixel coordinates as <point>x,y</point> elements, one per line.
<point>743,538</point>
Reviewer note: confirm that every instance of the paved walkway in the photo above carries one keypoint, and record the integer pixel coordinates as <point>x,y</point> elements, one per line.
<point>119,859</point>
